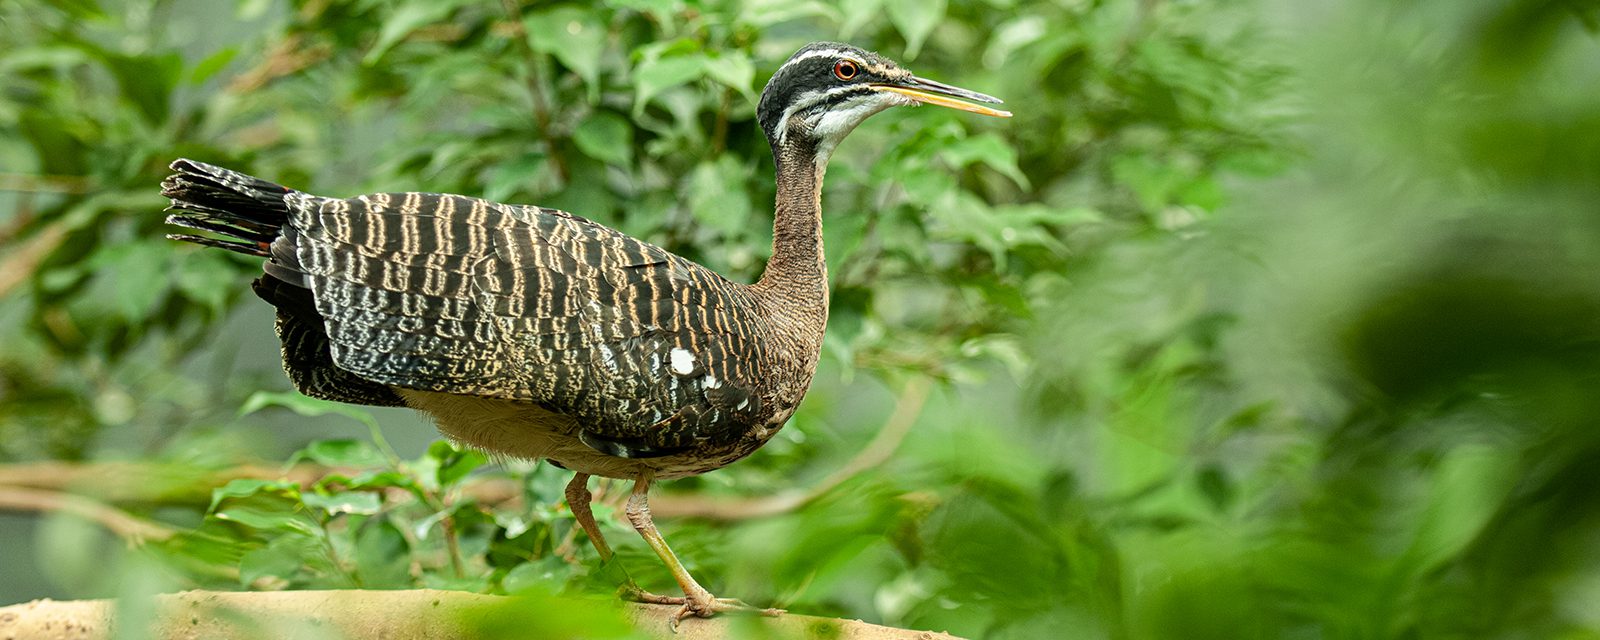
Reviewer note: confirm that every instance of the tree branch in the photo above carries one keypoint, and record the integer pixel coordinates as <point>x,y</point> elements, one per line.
<point>128,527</point>
<point>24,260</point>
<point>153,482</point>
<point>34,183</point>
<point>143,482</point>
<point>393,615</point>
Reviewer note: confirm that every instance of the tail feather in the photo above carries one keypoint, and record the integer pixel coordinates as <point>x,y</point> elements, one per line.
<point>222,201</point>
<point>236,247</point>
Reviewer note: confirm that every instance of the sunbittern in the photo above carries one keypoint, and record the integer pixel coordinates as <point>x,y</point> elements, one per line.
<point>534,333</point>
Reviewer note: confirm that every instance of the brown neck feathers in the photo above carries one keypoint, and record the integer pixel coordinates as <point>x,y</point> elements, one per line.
<point>797,273</point>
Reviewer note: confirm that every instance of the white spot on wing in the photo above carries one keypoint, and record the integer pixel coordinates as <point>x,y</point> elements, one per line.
<point>682,361</point>
<point>712,382</point>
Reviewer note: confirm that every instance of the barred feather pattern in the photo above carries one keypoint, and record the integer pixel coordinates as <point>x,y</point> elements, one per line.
<point>649,352</point>
<point>306,355</point>
<point>469,309</point>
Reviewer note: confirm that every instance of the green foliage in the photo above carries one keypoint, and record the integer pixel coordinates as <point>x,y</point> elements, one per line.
<point>1257,320</point>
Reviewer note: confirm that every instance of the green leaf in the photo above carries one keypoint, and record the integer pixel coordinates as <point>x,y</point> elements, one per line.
<point>662,11</point>
<point>246,487</point>
<point>146,81</point>
<point>654,76</point>
<point>765,13</point>
<point>989,150</point>
<point>279,509</point>
<point>1013,36</point>
<point>138,268</point>
<point>548,574</point>
<point>1471,483</point>
<point>451,464</point>
<point>342,453</point>
<point>856,15</point>
<point>404,20</point>
<point>257,517</point>
<point>51,57</point>
<point>206,277</point>
<point>734,69</point>
<point>999,230</point>
<point>915,19</point>
<point>211,65</point>
<point>574,37</point>
<point>284,558</point>
<point>518,173</point>
<point>305,406</point>
<point>717,195</point>
<point>79,9</point>
<point>382,556</point>
<point>381,480</point>
<point>607,137</point>
<point>353,502</point>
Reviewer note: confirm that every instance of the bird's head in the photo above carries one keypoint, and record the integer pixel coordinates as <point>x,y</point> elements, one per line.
<point>826,88</point>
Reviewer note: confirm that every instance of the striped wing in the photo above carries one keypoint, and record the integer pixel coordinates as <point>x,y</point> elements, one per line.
<point>650,352</point>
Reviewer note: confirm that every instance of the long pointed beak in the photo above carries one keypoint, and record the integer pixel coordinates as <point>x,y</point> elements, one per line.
<point>939,93</point>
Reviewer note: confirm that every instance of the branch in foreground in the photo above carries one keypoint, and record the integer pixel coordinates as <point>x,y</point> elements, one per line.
<point>120,482</point>
<point>393,615</point>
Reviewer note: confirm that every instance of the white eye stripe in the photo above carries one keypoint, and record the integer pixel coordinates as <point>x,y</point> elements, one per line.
<point>819,53</point>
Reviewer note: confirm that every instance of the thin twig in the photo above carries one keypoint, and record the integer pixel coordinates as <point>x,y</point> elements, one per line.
<point>719,129</point>
<point>541,102</point>
<point>288,57</point>
<point>21,263</point>
<point>31,183</point>
<point>147,481</point>
<point>131,528</point>
<point>453,543</point>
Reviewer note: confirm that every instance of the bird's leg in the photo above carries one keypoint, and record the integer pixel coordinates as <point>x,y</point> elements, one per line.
<point>578,499</point>
<point>696,600</point>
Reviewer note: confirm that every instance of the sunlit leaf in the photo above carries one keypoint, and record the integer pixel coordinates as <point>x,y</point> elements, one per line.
<point>734,70</point>
<point>548,573</point>
<point>574,36</point>
<point>351,502</point>
<point>304,405</point>
<point>245,487</point>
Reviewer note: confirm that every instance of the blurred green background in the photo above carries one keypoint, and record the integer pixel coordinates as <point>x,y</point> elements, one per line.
<point>1262,318</point>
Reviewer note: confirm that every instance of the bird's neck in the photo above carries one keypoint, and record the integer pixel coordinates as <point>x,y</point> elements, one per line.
<point>797,274</point>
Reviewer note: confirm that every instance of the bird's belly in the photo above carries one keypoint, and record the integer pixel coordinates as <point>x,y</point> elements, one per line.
<point>528,431</point>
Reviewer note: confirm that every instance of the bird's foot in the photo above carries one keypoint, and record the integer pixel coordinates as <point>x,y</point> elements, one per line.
<point>699,604</point>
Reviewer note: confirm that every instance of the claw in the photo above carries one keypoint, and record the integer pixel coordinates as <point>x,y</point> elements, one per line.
<point>703,605</point>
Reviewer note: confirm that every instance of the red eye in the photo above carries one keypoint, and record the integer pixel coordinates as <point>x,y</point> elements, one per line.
<point>845,70</point>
